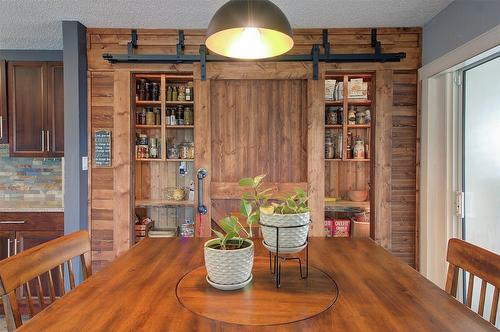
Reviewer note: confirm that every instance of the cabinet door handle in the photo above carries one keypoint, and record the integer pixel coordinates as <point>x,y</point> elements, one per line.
<point>8,222</point>
<point>43,140</point>
<point>15,247</point>
<point>8,247</point>
<point>48,141</point>
<point>1,126</point>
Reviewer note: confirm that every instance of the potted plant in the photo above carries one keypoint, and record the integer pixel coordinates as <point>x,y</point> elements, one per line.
<point>259,206</point>
<point>229,257</point>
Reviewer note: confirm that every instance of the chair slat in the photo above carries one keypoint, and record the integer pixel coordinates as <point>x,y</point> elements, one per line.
<point>52,290</point>
<point>31,264</point>
<point>494,306</point>
<point>60,269</point>
<point>71,274</point>
<point>482,296</point>
<point>478,262</point>
<point>12,313</point>
<point>39,291</point>
<point>470,288</point>
<point>30,300</point>
<point>452,280</point>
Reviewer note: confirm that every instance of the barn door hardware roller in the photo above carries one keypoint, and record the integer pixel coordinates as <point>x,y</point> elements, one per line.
<point>203,57</point>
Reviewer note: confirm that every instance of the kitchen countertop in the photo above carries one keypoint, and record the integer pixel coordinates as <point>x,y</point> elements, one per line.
<point>30,205</point>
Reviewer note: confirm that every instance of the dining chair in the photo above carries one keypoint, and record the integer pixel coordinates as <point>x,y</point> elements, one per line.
<point>478,262</point>
<point>27,269</point>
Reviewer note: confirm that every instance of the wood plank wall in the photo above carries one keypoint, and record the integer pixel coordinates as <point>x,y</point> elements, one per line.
<point>396,205</point>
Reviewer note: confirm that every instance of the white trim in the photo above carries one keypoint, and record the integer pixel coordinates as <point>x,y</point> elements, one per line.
<point>440,150</point>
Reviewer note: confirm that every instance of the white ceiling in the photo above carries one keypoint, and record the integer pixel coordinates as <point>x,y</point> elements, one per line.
<point>36,24</point>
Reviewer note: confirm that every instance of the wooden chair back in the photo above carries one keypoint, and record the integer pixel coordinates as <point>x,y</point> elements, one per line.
<point>478,262</point>
<point>25,269</point>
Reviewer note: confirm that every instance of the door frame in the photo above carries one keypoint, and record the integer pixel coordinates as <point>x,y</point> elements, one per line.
<point>315,124</point>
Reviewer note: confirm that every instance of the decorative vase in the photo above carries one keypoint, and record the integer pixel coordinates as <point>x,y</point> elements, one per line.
<point>293,237</point>
<point>229,267</point>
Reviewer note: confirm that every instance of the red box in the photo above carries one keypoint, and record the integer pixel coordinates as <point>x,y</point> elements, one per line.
<point>338,227</point>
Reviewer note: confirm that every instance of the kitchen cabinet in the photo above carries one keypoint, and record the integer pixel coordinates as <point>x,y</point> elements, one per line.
<point>36,109</point>
<point>20,231</point>
<point>4,135</point>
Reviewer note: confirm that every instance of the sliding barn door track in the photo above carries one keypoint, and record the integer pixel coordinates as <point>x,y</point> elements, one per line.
<point>316,56</point>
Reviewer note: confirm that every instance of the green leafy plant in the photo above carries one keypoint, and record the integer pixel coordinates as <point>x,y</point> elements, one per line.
<point>235,234</point>
<point>252,204</point>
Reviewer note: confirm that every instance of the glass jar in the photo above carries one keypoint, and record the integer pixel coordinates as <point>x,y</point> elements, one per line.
<point>181,93</point>
<point>142,152</point>
<point>155,91</point>
<point>142,90</point>
<point>169,93</point>
<point>184,150</point>
<point>150,116</point>
<point>329,150</point>
<point>189,91</point>
<point>142,116</point>
<point>186,229</point>
<point>153,148</point>
<point>148,91</point>
<point>351,116</point>
<point>338,146</point>
<point>157,112</point>
<point>188,116</point>
<point>190,150</point>
<point>180,115</point>
<point>172,152</point>
<point>174,93</point>
<point>360,117</point>
<point>331,116</point>
<point>359,149</point>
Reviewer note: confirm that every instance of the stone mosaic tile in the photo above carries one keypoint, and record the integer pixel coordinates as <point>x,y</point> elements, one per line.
<point>30,177</point>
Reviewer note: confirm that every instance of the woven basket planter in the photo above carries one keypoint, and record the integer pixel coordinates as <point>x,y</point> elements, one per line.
<point>288,237</point>
<point>229,267</point>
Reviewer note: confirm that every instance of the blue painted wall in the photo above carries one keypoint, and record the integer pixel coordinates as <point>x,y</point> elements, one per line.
<point>460,22</point>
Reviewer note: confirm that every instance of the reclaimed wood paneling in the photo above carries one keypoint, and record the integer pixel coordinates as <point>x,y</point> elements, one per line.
<point>397,167</point>
<point>101,101</point>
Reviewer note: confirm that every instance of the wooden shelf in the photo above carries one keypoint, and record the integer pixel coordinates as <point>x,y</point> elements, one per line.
<point>147,126</point>
<point>334,102</point>
<point>148,103</point>
<point>172,160</point>
<point>347,204</point>
<point>359,102</point>
<point>357,160</point>
<point>180,127</point>
<point>354,126</point>
<point>329,160</point>
<point>179,103</point>
<point>150,159</point>
<point>337,126</point>
<point>161,203</point>
<point>148,76</point>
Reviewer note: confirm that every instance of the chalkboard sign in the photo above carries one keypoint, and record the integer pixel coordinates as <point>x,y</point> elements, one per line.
<point>102,148</point>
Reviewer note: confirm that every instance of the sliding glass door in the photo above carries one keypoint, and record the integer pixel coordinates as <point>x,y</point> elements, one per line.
<point>481,158</point>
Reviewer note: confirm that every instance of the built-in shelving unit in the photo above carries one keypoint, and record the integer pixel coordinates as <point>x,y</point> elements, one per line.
<point>344,173</point>
<point>155,176</point>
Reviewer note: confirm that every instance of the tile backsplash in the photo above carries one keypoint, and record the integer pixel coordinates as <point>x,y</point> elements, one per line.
<point>30,178</point>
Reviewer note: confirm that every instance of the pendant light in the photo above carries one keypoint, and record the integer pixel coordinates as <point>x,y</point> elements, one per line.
<point>249,29</point>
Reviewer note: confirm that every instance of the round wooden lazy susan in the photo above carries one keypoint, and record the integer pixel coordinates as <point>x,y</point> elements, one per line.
<point>260,302</point>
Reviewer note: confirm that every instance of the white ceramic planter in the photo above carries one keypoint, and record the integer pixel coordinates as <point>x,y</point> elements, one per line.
<point>288,237</point>
<point>229,267</point>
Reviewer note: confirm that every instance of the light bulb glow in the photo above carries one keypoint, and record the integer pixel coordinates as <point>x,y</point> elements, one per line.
<point>249,45</point>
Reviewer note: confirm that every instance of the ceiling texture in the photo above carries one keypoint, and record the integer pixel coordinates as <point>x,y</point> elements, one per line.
<point>36,24</point>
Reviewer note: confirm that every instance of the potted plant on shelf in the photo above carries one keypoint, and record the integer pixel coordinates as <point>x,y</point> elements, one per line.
<point>290,211</point>
<point>229,257</point>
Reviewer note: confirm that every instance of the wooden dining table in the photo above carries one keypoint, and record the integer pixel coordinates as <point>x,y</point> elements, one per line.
<point>376,292</point>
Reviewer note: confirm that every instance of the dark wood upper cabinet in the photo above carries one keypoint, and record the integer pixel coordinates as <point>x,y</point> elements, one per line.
<point>36,109</point>
<point>55,126</point>
<point>4,134</point>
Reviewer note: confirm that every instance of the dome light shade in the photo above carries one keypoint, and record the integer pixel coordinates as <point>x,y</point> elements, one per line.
<point>249,29</point>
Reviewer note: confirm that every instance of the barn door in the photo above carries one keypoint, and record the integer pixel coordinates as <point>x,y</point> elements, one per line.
<point>258,119</point>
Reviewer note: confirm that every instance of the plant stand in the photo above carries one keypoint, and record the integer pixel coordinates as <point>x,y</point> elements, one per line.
<point>276,261</point>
